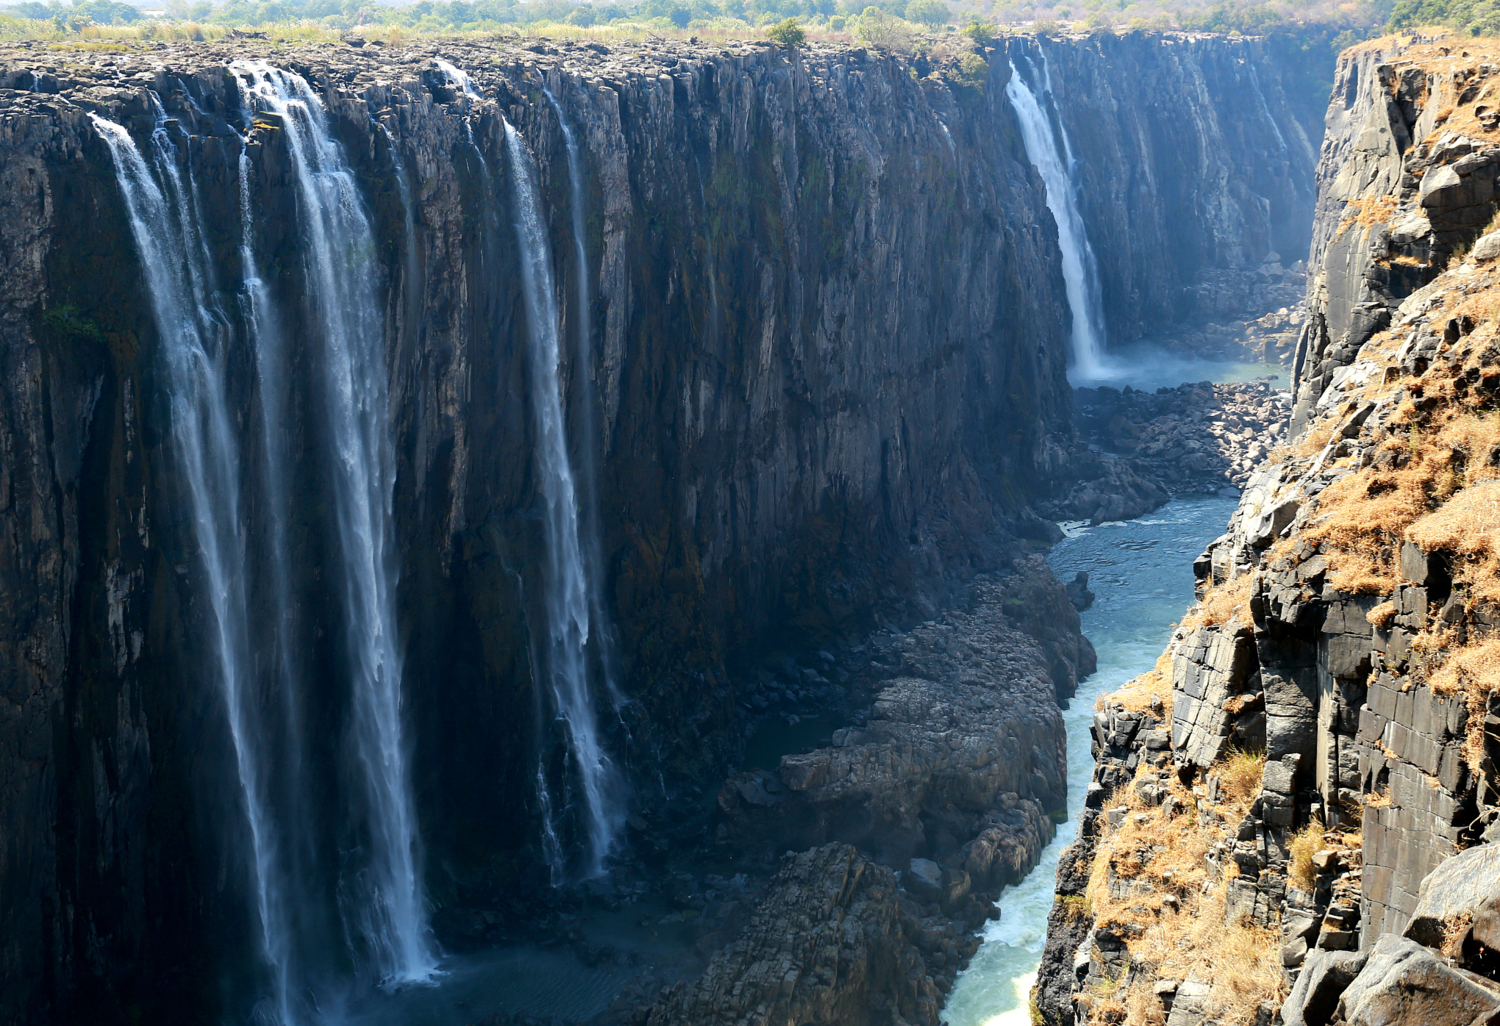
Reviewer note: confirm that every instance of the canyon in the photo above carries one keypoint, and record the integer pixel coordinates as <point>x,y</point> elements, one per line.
<point>1292,817</point>
<point>434,475</point>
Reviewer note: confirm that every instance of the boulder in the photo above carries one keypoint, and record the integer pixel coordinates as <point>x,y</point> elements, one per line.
<point>1487,248</point>
<point>1407,984</point>
<point>924,878</point>
<point>1453,893</point>
<point>1325,976</point>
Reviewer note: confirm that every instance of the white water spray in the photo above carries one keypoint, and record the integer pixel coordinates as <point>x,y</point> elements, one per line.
<point>384,907</point>
<point>194,339</point>
<point>565,657</point>
<point>1052,157</point>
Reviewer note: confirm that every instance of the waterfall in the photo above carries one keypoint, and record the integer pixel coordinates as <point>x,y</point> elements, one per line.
<point>1052,158</point>
<point>1260,96</point>
<point>584,360</point>
<point>565,657</point>
<point>194,340</point>
<point>382,901</point>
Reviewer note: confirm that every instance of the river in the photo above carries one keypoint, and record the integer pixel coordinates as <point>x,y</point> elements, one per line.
<point>1142,574</point>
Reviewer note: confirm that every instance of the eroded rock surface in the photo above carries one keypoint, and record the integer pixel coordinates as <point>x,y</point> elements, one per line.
<point>834,940</point>
<point>960,758</point>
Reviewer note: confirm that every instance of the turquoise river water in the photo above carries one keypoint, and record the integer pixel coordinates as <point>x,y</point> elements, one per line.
<point>1142,574</point>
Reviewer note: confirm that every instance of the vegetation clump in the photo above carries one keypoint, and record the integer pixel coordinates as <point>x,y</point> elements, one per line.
<point>788,33</point>
<point>1174,909</point>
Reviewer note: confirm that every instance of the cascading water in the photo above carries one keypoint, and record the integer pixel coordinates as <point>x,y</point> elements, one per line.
<point>584,354</point>
<point>383,903</point>
<point>194,337</point>
<point>1052,158</point>
<point>565,657</point>
<point>1260,97</point>
<point>1141,573</point>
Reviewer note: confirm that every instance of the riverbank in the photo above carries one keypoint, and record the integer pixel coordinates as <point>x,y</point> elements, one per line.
<point>1141,574</point>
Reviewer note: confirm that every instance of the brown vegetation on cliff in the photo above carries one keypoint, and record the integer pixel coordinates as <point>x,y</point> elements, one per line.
<point>1156,883</point>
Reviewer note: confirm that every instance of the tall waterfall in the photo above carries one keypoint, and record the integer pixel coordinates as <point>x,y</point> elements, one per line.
<point>584,360</point>
<point>565,656</point>
<point>382,900</point>
<point>1052,157</point>
<point>194,338</point>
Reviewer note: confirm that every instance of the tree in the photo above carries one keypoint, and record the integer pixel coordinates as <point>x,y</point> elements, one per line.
<point>788,33</point>
<point>931,13</point>
<point>982,32</point>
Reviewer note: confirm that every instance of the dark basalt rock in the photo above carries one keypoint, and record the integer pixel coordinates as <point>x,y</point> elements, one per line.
<point>834,941</point>
<point>826,370</point>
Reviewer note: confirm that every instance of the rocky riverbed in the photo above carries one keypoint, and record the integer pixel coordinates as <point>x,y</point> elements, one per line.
<point>1192,439</point>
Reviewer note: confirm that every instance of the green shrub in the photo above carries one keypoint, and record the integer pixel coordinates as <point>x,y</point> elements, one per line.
<point>973,71</point>
<point>880,29</point>
<point>982,32</point>
<point>788,33</point>
<point>931,13</point>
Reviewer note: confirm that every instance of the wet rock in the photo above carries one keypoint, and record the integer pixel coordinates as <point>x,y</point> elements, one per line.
<point>1078,591</point>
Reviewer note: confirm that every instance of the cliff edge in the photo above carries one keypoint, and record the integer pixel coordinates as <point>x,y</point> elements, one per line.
<point>1293,818</point>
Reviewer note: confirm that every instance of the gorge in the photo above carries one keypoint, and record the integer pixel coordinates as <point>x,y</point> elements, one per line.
<point>437,476</point>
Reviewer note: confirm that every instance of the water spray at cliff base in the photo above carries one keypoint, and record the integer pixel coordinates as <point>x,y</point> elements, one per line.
<point>1141,365</point>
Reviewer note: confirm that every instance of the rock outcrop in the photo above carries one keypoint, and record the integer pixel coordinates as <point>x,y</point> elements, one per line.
<point>1332,700</point>
<point>959,760</point>
<point>1198,438</point>
<point>835,940</point>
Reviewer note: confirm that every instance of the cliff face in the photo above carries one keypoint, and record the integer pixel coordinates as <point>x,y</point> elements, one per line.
<point>1196,197</point>
<point>1323,806</point>
<point>819,360</point>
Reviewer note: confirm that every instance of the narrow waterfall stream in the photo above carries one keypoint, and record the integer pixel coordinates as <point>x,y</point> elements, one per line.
<point>1141,572</point>
<point>565,656</point>
<point>1051,156</point>
<point>583,322</point>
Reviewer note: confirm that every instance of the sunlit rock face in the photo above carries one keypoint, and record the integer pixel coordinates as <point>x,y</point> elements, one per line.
<point>811,365</point>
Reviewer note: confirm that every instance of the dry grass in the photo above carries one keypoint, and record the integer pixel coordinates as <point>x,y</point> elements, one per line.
<point>1240,775</point>
<point>1179,924</point>
<point>1467,526</point>
<point>1223,603</point>
<point>1472,671</point>
<point>1455,932</point>
<point>1143,693</point>
<point>1382,615</point>
<point>1417,472</point>
<point>1142,1006</point>
<point>1299,865</point>
<point>1367,211</point>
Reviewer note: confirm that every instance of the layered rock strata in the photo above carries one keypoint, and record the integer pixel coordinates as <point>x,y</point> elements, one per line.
<point>1334,734</point>
<point>823,371</point>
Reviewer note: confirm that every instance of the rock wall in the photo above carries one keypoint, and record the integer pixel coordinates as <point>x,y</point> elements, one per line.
<point>825,370</point>
<point>1334,688</point>
<point>1198,201</point>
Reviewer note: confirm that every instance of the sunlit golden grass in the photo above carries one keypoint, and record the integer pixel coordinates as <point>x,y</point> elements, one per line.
<point>1178,926</point>
<point>1223,603</point>
<point>1299,864</point>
